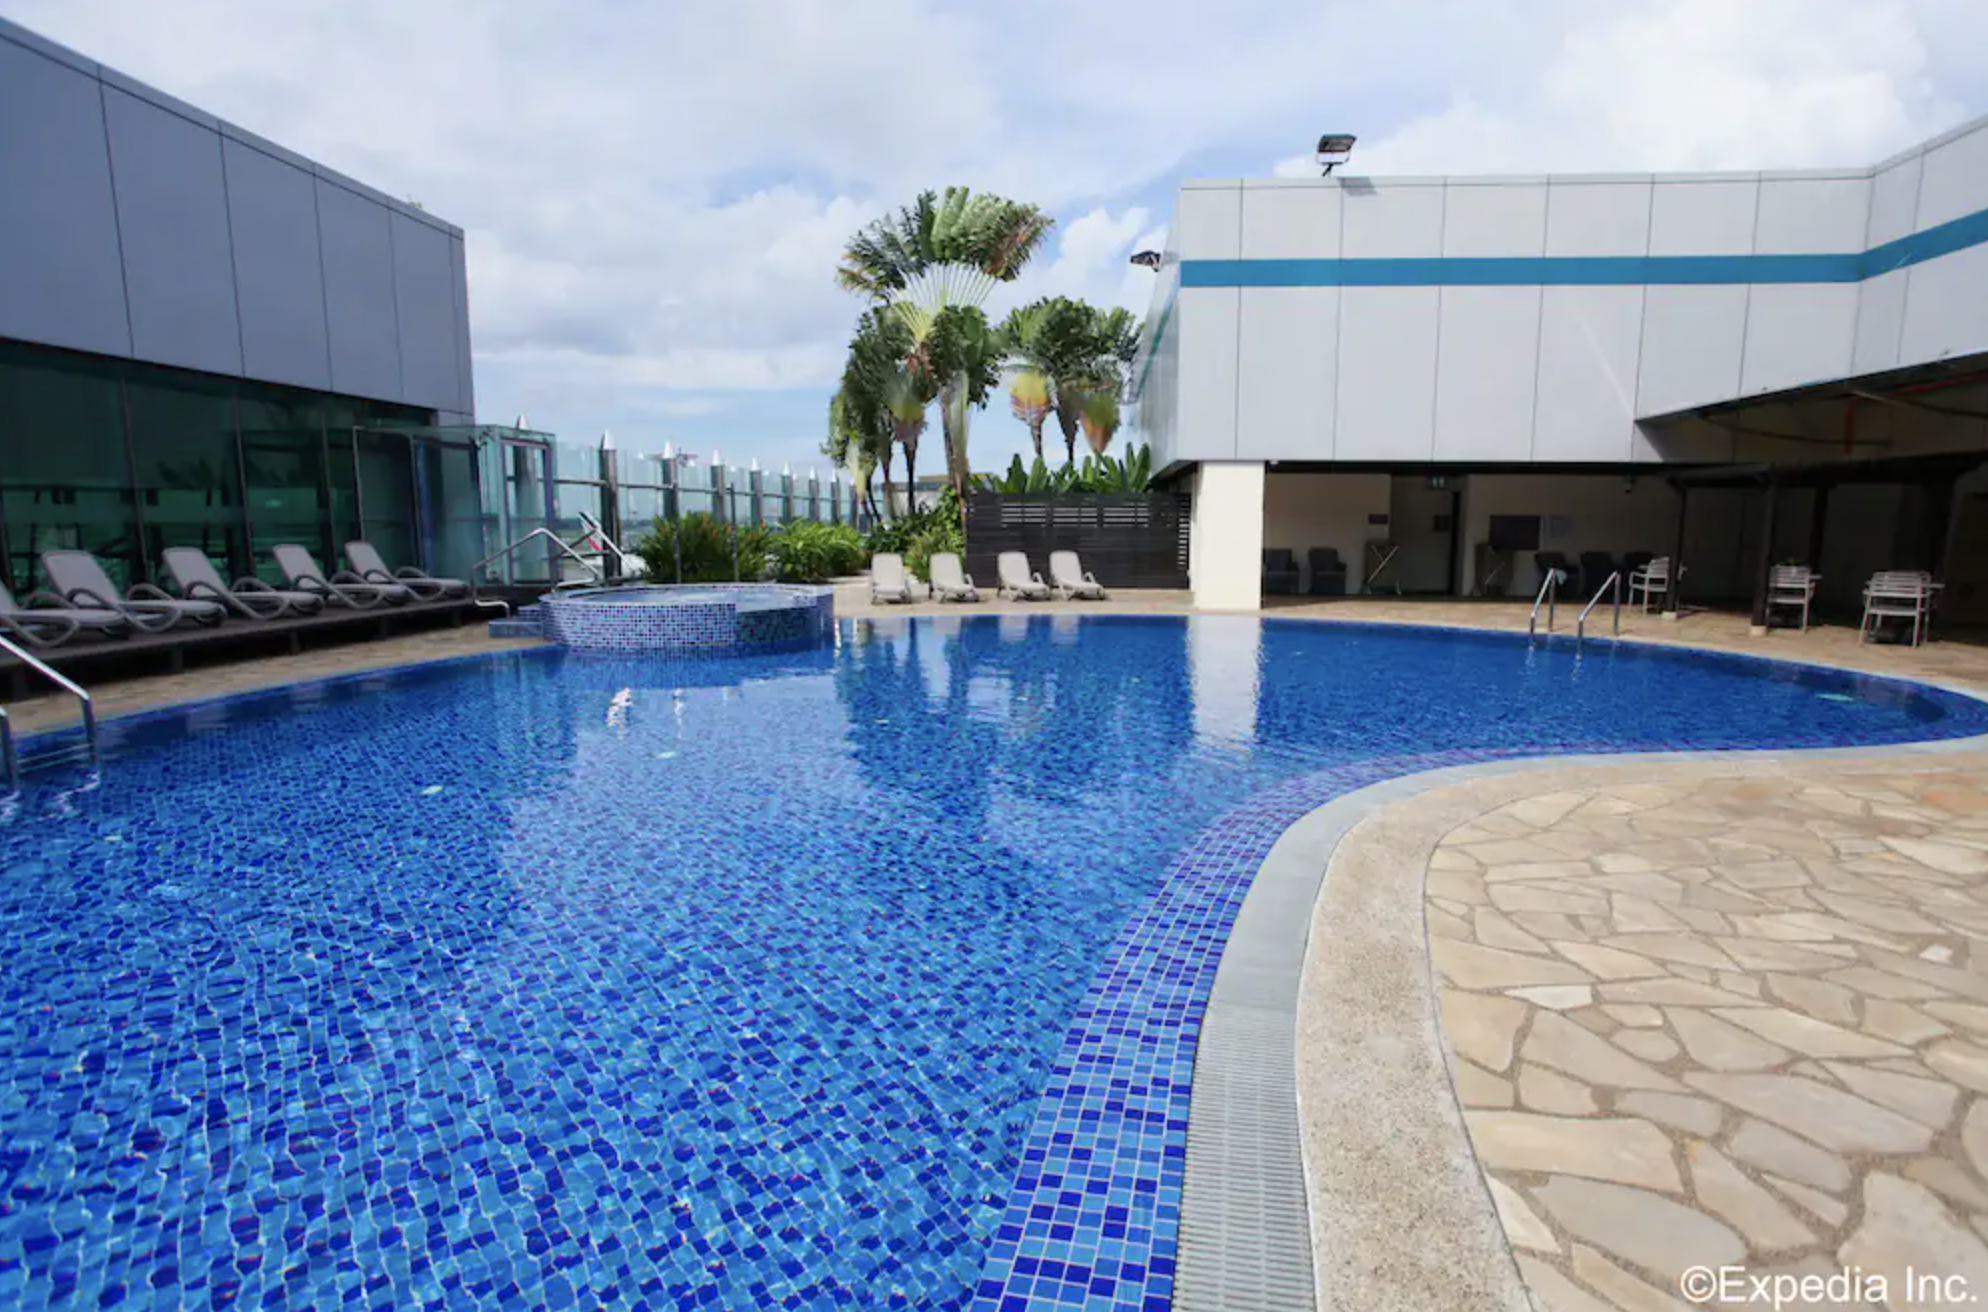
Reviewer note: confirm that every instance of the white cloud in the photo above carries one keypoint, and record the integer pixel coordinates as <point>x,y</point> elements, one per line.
<point>1697,85</point>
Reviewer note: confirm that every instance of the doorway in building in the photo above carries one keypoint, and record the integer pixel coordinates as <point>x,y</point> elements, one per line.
<point>1424,522</point>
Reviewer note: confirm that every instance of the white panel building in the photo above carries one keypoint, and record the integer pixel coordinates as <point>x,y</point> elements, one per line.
<point>1754,367</point>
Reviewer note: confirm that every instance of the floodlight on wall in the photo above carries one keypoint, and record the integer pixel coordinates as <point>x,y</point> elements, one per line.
<point>1333,150</point>
<point>1149,259</point>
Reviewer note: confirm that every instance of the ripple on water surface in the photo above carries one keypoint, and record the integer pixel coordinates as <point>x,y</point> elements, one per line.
<point>558,981</point>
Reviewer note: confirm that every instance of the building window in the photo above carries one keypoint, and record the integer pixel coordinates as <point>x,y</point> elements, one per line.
<point>64,472</point>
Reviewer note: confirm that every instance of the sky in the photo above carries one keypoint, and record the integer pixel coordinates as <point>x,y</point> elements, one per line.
<point>655,194</point>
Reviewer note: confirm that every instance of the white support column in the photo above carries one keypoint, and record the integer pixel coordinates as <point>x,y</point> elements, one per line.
<point>1226,540</point>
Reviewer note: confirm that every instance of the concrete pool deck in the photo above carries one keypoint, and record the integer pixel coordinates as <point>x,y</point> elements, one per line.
<point>1624,1018</point>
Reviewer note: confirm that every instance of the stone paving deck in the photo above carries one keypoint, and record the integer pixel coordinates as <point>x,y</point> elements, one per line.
<point>1710,1020</point>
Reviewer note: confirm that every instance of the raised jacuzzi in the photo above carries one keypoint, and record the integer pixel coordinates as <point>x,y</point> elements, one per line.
<point>689,617</point>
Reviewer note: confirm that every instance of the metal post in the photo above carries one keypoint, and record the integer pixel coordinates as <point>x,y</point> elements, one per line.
<point>1766,569</point>
<point>1818,517</point>
<point>814,498</point>
<point>1677,556</point>
<point>834,496</point>
<point>756,484</point>
<point>610,509</point>
<point>673,506</point>
<point>786,494</point>
<point>719,493</point>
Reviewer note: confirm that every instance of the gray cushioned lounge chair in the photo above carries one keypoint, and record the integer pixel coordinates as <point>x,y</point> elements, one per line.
<point>368,564</point>
<point>1067,576</point>
<point>197,579</point>
<point>888,579</point>
<point>46,622</point>
<point>78,578</point>
<point>951,582</point>
<point>1017,579</point>
<point>342,589</point>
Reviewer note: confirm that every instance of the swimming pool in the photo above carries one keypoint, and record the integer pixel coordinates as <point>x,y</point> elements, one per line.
<point>557,980</point>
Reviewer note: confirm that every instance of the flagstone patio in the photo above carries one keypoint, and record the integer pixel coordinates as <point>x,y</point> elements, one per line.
<point>1708,1019</point>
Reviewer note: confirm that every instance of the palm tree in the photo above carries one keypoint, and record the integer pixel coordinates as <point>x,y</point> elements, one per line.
<point>870,389</point>
<point>850,447</point>
<point>1062,340</point>
<point>1028,397</point>
<point>1100,419</point>
<point>932,260</point>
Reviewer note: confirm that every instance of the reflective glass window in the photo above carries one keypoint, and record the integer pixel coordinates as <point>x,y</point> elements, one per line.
<point>65,480</point>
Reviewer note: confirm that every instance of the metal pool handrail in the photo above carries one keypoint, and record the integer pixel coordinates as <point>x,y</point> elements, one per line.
<point>610,547</point>
<point>1613,584</point>
<point>1549,593</point>
<point>9,760</point>
<point>546,533</point>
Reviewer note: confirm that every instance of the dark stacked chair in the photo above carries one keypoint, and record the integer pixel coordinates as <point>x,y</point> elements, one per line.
<point>1280,571</point>
<point>1328,572</point>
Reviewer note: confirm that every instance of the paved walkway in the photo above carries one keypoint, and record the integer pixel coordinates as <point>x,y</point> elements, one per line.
<point>1707,1022</point>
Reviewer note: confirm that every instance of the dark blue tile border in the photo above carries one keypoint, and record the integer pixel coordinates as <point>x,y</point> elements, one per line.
<point>1093,1220</point>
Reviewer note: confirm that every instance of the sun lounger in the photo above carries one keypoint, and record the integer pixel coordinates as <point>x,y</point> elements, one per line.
<point>197,579</point>
<point>341,589</point>
<point>370,566</point>
<point>1018,580</point>
<point>78,578</point>
<point>1067,576</point>
<point>888,580</point>
<point>46,622</point>
<point>950,582</point>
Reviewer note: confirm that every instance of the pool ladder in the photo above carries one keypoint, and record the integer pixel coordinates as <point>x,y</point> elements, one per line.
<point>10,760</point>
<point>1614,585</point>
<point>631,565</point>
<point>1549,595</point>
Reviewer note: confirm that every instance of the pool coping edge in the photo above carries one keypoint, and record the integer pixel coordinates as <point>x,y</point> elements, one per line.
<point>1256,1229</point>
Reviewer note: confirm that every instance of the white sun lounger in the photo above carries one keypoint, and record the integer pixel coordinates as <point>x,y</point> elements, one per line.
<point>1018,580</point>
<point>341,589</point>
<point>950,582</point>
<point>1067,576</point>
<point>888,580</point>
<point>367,563</point>
<point>78,578</point>
<point>46,622</point>
<point>198,580</point>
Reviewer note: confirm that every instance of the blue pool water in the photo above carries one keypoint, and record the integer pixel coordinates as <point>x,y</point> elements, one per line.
<point>555,981</point>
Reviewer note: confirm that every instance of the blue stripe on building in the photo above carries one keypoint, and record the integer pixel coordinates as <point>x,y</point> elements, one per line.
<point>1593,270</point>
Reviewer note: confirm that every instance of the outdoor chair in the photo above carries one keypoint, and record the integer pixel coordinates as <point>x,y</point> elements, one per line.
<point>341,589</point>
<point>1900,595</point>
<point>78,578</point>
<point>367,563</point>
<point>1596,566</point>
<point>1635,560</point>
<point>888,580</point>
<point>1017,579</point>
<point>1651,581</point>
<point>197,580</point>
<point>1067,575</point>
<point>1547,561</point>
<point>46,621</point>
<point>1328,572</point>
<point>1280,571</point>
<point>1792,587</point>
<point>950,581</point>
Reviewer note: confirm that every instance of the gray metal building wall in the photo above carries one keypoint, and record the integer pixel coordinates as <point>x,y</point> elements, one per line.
<point>134,225</point>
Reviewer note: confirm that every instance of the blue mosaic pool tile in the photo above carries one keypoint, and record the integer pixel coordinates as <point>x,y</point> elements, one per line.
<point>703,618</point>
<point>866,976</point>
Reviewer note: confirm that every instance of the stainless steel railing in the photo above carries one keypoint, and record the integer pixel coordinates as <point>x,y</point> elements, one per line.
<point>10,760</point>
<point>1549,595</point>
<point>1614,584</point>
